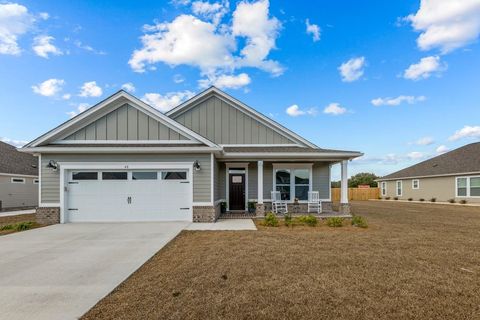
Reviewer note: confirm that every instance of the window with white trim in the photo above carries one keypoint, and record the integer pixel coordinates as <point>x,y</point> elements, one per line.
<point>468,187</point>
<point>293,182</point>
<point>415,184</point>
<point>17,180</point>
<point>399,188</point>
<point>383,186</point>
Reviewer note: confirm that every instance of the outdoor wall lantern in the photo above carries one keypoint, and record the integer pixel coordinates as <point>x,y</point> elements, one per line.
<point>196,165</point>
<point>52,164</point>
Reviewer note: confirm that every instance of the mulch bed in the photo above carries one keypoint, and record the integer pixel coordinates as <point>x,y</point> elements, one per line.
<point>415,261</point>
<point>17,219</point>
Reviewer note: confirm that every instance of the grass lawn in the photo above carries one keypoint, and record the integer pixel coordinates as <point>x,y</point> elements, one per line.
<point>15,220</point>
<point>415,261</point>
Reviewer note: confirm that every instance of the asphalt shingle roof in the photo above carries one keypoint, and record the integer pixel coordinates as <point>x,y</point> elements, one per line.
<point>461,160</point>
<point>280,149</point>
<point>14,162</point>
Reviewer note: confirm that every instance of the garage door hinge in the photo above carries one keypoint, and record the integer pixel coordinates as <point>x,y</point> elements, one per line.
<point>184,181</point>
<point>73,209</point>
<point>184,208</point>
<point>74,182</point>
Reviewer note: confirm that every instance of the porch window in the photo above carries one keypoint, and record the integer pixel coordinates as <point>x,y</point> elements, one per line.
<point>293,182</point>
<point>282,178</point>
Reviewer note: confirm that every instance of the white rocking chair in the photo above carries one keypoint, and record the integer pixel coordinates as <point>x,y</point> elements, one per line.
<point>314,203</point>
<point>278,205</point>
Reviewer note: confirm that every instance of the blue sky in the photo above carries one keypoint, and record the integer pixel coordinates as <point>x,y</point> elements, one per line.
<point>408,88</point>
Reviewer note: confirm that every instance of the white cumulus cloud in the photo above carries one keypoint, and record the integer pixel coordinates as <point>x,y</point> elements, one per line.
<point>466,132</point>
<point>313,29</point>
<point>212,11</point>
<point>334,109</point>
<point>397,101</point>
<point>79,109</point>
<point>446,24</point>
<point>352,70</point>
<point>415,155</point>
<point>425,68</point>
<point>167,101</point>
<point>295,111</point>
<point>43,46</point>
<point>425,141</point>
<point>129,87</point>
<point>13,142</point>
<point>442,149</point>
<point>178,78</point>
<point>90,89</point>
<point>226,81</point>
<point>15,20</point>
<point>49,88</point>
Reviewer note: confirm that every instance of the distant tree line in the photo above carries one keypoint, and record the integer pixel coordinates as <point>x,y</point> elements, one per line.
<point>362,178</point>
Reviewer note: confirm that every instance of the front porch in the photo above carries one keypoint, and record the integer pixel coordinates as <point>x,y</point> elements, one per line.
<point>248,215</point>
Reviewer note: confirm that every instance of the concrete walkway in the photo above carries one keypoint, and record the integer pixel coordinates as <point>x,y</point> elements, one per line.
<point>61,271</point>
<point>225,224</point>
<point>16,212</point>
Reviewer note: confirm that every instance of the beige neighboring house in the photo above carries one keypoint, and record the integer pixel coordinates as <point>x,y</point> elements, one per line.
<point>452,175</point>
<point>18,178</point>
<point>123,160</point>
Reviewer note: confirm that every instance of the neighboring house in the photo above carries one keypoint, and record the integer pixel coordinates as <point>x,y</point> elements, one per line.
<point>452,175</point>
<point>18,178</point>
<point>123,160</point>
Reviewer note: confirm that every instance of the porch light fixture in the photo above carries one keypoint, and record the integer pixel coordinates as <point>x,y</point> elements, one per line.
<point>196,165</point>
<point>52,164</point>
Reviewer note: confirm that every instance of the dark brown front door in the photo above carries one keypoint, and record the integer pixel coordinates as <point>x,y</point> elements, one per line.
<point>237,191</point>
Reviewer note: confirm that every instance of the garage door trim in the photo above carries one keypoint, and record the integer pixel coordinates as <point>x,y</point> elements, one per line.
<point>65,167</point>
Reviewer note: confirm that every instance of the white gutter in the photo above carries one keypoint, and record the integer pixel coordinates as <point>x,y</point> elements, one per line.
<point>348,155</point>
<point>431,176</point>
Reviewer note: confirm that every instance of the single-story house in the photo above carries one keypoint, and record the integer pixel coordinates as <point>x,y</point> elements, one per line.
<point>18,178</point>
<point>123,160</point>
<point>452,175</point>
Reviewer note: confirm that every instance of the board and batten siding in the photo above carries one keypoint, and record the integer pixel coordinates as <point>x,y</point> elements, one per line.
<point>222,123</point>
<point>126,123</point>
<point>320,183</point>
<point>50,179</point>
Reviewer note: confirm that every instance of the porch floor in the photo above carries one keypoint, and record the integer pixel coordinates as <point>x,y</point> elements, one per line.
<point>247,215</point>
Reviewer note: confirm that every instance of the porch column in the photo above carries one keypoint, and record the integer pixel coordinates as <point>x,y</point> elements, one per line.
<point>260,209</point>
<point>344,205</point>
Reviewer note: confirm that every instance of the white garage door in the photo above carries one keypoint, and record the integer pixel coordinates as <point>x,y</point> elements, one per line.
<point>128,195</point>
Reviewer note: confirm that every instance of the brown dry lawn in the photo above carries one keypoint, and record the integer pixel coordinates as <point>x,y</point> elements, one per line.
<point>415,261</point>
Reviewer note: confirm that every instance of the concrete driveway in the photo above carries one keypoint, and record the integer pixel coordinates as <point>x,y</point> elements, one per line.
<point>61,271</point>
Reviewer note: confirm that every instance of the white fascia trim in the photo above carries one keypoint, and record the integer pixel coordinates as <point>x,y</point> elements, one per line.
<point>125,165</point>
<point>291,154</point>
<point>137,103</point>
<point>260,145</point>
<point>265,120</point>
<point>431,176</point>
<point>126,142</point>
<point>18,175</point>
<point>119,150</point>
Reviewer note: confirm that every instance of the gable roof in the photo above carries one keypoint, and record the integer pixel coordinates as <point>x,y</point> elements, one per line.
<point>463,160</point>
<point>119,98</point>
<point>242,107</point>
<point>14,162</point>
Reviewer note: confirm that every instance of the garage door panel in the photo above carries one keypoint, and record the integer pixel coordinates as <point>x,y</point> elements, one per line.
<point>129,200</point>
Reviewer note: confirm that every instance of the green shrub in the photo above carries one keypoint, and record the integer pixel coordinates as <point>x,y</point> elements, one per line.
<point>271,220</point>
<point>288,219</point>
<point>463,201</point>
<point>358,221</point>
<point>410,199</point>
<point>421,199</point>
<point>6,227</point>
<point>451,200</point>
<point>23,226</point>
<point>387,198</point>
<point>309,220</point>
<point>396,198</point>
<point>335,222</point>
<point>433,200</point>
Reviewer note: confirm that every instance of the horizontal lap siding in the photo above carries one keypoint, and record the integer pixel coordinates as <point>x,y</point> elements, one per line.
<point>321,179</point>
<point>18,194</point>
<point>126,123</point>
<point>222,123</point>
<point>51,179</point>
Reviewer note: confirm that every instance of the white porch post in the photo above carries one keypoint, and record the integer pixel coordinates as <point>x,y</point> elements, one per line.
<point>260,209</point>
<point>344,183</point>
<point>260,182</point>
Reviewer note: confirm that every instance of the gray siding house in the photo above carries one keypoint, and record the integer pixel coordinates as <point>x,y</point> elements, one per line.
<point>18,178</point>
<point>452,175</point>
<point>123,160</point>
